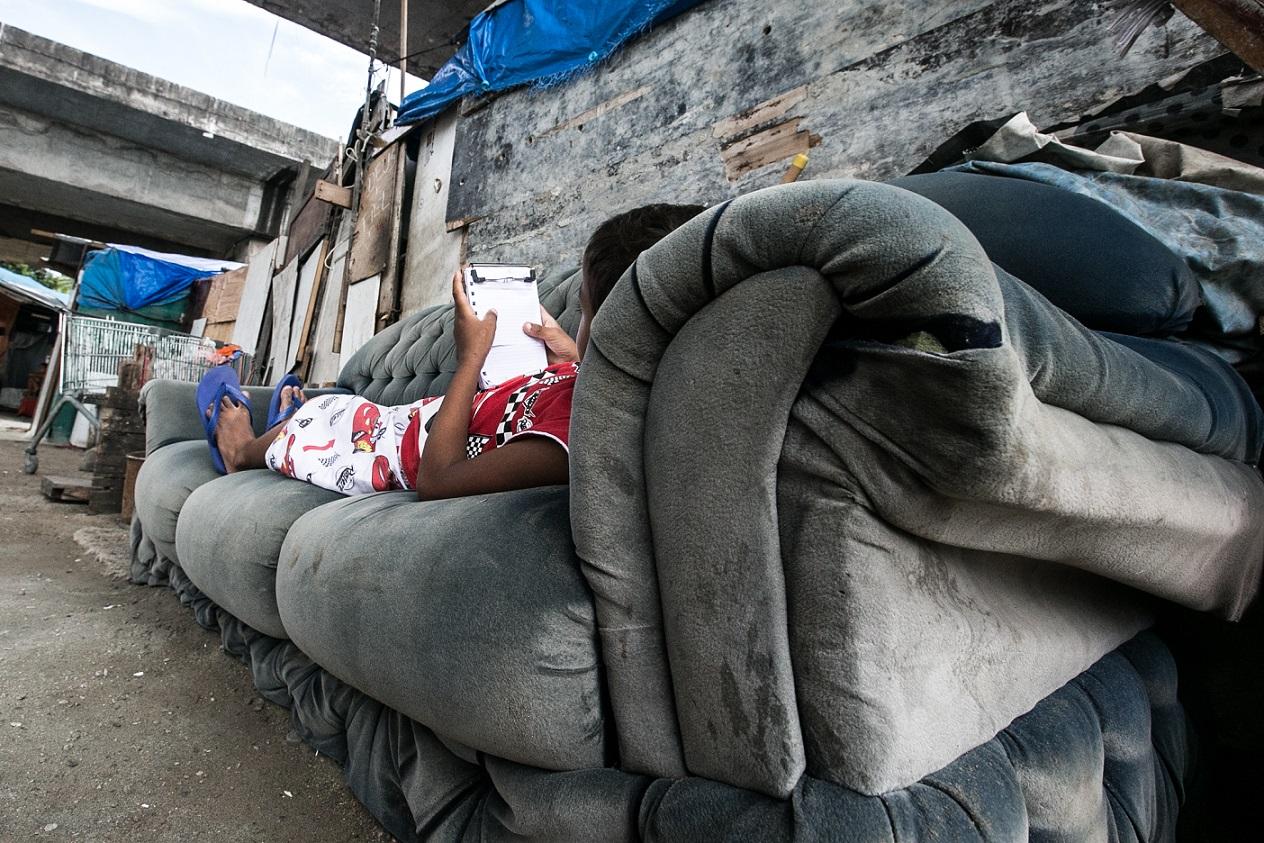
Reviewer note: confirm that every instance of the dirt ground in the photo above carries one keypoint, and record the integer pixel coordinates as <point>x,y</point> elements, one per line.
<point>120,718</point>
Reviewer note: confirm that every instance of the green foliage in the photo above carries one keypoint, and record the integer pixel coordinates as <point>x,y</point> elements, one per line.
<point>51,280</point>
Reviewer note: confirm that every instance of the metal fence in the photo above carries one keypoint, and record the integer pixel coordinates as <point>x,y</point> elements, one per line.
<point>93,348</point>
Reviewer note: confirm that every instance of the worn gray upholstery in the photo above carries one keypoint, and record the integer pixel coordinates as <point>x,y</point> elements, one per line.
<point>165,481</point>
<point>468,615</point>
<point>829,613</point>
<point>230,535</point>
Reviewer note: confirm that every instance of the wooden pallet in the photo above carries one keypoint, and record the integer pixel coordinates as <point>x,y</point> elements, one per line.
<point>66,489</point>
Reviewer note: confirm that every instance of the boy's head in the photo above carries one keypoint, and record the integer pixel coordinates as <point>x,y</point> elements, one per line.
<point>614,246</point>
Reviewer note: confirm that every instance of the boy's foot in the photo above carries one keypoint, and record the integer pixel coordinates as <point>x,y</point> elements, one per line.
<point>233,432</point>
<point>290,396</point>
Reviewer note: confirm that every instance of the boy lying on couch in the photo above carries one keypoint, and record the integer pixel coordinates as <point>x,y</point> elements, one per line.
<point>443,446</point>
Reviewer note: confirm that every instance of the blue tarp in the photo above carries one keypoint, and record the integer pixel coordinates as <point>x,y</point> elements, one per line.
<point>535,41</point>
<point>114,279</point>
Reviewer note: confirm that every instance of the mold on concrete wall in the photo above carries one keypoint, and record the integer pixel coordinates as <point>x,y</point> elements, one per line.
<point>716,103</point>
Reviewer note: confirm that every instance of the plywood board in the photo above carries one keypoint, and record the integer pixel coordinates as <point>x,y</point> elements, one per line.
<point>320,255</point>
<point>302,299</point>
<point>433,252</point>
<point>254,297</point>
<point>220,331</point>
<point>371,243</point>
<point>360,318</point>
<point>282,316</point>
<point>224,297</point>
<point>325,361</point>
<point>308,228</point>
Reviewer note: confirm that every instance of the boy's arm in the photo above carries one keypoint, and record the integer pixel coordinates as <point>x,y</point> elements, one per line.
<point>445,472</point>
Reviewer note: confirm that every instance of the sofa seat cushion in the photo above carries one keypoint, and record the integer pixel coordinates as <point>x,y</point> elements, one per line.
<point>168,477</point>
<point>468,615</point>
<point>230,534</point>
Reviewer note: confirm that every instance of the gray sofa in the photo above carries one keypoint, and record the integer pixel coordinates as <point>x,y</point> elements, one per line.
<point>863,541</point>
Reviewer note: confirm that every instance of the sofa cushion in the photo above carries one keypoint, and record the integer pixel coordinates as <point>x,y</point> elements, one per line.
<point>1109,273</point>
<point>468,615</point>
<point>229,536</point>
<point>168,477</point>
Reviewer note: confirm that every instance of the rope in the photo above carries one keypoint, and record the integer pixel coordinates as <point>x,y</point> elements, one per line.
<point>356,153</point>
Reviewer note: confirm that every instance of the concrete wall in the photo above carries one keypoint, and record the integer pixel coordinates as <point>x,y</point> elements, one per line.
<point>716,102</point>
<point>89,146</point>
<point>101,168</point>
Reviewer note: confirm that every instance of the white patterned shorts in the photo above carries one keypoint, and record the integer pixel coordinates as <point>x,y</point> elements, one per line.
<point>347,444</point>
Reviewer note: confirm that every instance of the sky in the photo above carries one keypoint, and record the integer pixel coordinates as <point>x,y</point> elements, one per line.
<point>224,48</point>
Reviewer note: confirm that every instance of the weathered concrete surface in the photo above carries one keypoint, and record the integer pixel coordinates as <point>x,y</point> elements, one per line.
<point>93,142</point>
<point>186,751</point>
<point>879,85</point>
<point>433,26</point>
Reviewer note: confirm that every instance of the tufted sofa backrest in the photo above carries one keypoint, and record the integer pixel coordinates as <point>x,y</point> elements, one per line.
<point>415,357</point>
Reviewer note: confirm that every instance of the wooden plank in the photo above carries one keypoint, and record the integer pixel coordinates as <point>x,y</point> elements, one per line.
<point>588,115</point>
<point>334,194</point>
<point>303,358</point>
<point>220,331</point>
<point>360,317</point>
<point>254,297</point>
<point>284,285</point>
<point>1238,24</point>
<point>774,144</point>
<point>371,240</point>
<point>457,225</point>
<point>759,116</point>
<point>324,361</point>
<point>308,228</point>
<point>388,289</point>
<point>433,252</point>
<point>223,299</point>
<point>62,489</point>
<point>304,292</point>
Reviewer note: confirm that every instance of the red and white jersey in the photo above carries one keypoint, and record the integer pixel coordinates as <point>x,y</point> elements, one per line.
<point>538,404</point>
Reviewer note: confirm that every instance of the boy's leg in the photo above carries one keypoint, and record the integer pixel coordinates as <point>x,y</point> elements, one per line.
<point>235,436</point>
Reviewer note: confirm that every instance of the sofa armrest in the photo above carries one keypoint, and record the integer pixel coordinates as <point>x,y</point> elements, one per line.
<point>170,411</point>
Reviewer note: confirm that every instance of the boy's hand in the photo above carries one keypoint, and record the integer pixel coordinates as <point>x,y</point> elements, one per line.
<point>473,335</point>
<point>558,346</point>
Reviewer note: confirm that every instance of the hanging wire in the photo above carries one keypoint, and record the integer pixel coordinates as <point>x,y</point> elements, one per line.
<point>356,153</point>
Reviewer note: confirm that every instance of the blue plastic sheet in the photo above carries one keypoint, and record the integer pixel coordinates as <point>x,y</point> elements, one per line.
<point>539,41</point>
<point>32,290</point>
<point>117,280</point>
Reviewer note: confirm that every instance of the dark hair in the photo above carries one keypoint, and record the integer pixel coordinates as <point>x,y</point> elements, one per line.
<point>615,244</point>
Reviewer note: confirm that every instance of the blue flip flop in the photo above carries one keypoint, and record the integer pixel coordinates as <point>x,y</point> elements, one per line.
<point>218,382</point>
<point>275,416</point>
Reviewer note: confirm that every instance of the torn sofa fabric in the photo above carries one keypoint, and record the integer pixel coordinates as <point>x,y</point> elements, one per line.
<point>851,509</point>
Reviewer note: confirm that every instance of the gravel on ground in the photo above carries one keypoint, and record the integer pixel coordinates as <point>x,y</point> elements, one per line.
<point>120,718</point>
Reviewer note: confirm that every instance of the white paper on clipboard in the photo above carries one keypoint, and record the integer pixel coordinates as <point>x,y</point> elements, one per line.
<point>512,292</point>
